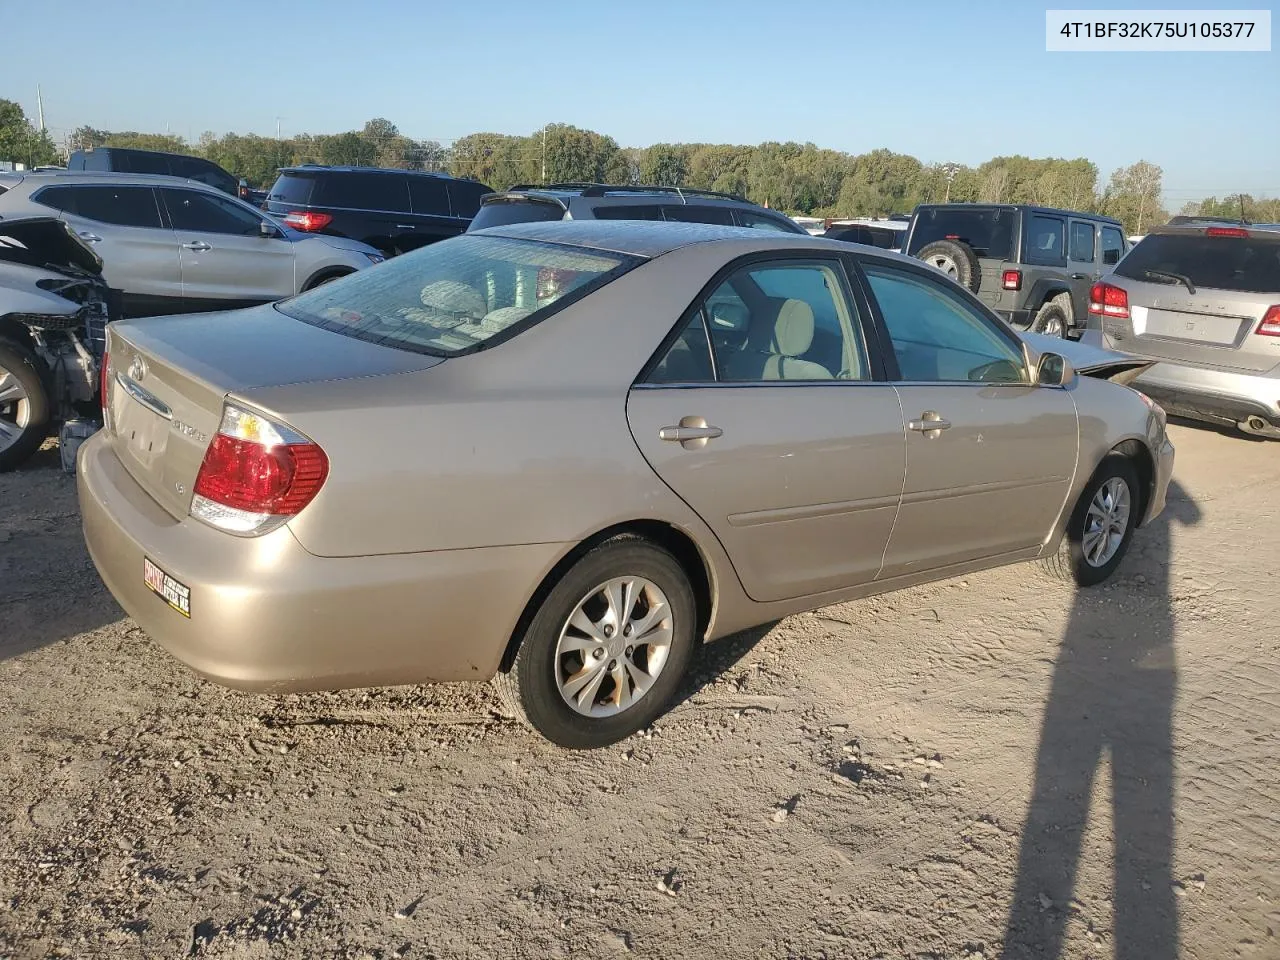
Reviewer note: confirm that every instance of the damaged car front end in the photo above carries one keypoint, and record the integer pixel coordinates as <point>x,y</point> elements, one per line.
<point>54,309</point>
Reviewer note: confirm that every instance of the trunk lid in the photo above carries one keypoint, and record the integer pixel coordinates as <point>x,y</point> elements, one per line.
<point>169,377</point>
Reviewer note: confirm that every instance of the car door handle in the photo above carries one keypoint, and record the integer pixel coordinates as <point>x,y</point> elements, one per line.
<point>197,245</point>
<point>1080,276</point>
<point>930,424</point>
<point>406,226</point>
<point>681,434</point>
<point>90,237</point>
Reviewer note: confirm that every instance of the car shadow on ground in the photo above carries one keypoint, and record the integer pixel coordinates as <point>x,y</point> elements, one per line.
<point>1111,698</point>
<point>713,661</point>
<point>49,589</point>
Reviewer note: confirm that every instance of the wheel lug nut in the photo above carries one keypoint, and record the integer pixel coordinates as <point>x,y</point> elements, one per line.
<point>608,630</point>
<point>630,651</point>
<point>598,652</point>
<point>613,664</point>
<point>626,631</point>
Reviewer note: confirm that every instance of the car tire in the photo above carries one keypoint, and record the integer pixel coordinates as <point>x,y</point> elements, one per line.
<point>26,413</point>
<point>1053,319</point>
<point>324,278</point>
<point>549,668</point>
<point>1078,559</point>
<point>957,260</point>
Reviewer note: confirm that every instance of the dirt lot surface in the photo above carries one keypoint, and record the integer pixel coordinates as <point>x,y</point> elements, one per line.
<point>992,766</point>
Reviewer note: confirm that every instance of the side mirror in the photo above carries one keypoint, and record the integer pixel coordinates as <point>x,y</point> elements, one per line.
<point>268,229</point>
<point>1055,370</point>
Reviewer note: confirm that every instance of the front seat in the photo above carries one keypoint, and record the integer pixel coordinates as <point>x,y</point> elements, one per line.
<point>779,359</point>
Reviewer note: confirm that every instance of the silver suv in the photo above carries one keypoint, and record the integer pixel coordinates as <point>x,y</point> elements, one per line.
<point>173,245</point>
<point>1203,298</point>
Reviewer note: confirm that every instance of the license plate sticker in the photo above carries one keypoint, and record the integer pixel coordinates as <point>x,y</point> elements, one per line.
<point>175,594</point>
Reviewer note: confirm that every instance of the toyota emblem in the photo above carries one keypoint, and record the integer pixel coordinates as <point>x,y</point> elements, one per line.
<point>137,368</point>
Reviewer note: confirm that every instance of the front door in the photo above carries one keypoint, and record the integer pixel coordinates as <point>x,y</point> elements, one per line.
<point>990,457</point>
<point>226,260</point>
<point>778,437</point>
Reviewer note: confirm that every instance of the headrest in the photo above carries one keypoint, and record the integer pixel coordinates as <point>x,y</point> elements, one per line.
<point>454,297</point>
<point>793,330</point>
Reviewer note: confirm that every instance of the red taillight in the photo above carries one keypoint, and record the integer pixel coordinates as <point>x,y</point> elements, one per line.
<point>308,220</point>
<point>1270,325</point>
<point>102,380</point>
<point>1108,301</point>
<point>1012,280</point>
<point>952,236</point>
<point>256,473</point>
<point>1226,232</point>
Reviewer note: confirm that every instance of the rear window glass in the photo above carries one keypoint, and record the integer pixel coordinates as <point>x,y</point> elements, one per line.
<point>291,188</point>
<point>1245,264</point>
<point>363,191</point>
<point>988,230</point>
<point>500,213</point>
<point>453,296</point>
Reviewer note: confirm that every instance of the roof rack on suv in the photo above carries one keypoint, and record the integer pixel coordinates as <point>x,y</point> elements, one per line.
<point>588,189</point>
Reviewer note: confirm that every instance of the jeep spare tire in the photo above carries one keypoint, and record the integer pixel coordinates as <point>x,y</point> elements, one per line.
<point>957,260</point>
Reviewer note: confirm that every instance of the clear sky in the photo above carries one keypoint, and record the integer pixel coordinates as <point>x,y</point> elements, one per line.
<point>943,81</point>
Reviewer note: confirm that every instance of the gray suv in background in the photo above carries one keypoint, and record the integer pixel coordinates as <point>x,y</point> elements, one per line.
<point>1033,265</point>
<point>1203,298</point>
<point>599,201</point>
<point>174,246</point>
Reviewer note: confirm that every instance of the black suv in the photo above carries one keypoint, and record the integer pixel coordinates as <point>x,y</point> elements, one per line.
<point>392,210</point>
<point>600,201</point>
<point>128,160</point>
<point>1033,265</point>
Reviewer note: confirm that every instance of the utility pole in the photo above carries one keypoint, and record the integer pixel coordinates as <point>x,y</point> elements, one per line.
<point>950,170</point>
<point>544,153</point>
<point>40,107</point>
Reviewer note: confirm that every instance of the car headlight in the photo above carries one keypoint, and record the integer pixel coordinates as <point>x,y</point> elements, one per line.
<point>375,257</point>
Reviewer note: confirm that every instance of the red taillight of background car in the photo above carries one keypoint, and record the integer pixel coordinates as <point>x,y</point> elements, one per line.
<point>1108,301</point>
<point>1226,232</point>
<point>1270,325</point>
<point>1011,280</point>
<point>256,474</point>
<point>551,282</point>
<point>307,221</point>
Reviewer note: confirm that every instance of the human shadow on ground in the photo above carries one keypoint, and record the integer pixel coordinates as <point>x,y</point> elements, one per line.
<point>1111,697</point>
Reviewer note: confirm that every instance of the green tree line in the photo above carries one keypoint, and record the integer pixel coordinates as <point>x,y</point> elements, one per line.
<point>798,178</point>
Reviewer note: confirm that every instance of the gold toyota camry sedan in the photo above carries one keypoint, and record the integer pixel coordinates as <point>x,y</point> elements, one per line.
<point>561,455</point>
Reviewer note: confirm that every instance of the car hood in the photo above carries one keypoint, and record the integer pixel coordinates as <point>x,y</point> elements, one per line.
<point>1090,361</point>
<point>46,243</point>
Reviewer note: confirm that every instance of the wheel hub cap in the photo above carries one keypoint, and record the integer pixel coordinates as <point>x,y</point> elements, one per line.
<point>613,647</point>
<point>15,409</point>
<point>1106,523</point>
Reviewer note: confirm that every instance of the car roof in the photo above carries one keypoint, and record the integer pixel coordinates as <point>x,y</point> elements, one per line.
<point>1032,207</point>
<point>641,192</point>
<point>324,168</point>
<point>653,238</point>
<point>104,176</point>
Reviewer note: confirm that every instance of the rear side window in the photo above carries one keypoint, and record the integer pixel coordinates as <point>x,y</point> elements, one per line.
<point>123,206</point>
<point>500,213</point>
<point>449,298</point>
<point>1112,246</point>
<point>201,171</point>
<point>693,213</point>
<point>1081,241</point>
<point>464,197</point>
<point>363,191</point>
<point>629,211</point>
<point>428,196</point>
<point>1245,264</point>
<point>989,231</point>
<point>292,188</point>
<point>1044,240</point>
<point>759,221</point>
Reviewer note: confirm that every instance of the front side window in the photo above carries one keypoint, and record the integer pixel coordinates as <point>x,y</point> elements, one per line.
<point>787,320</point>
<point>191,210</point>
<point>450,297</point>
<point>1044,239</point>
<point>123,206</point>
<point>1081,241</point>
<point>938,338</point>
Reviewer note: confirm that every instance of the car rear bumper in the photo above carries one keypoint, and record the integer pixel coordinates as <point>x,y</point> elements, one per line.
<point>1213,396</point>
<point>268,616</point>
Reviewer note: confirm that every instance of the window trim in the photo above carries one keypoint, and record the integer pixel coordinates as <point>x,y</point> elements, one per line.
<point>983,312</point>
<point>162,213</point>
<point>839,262</point>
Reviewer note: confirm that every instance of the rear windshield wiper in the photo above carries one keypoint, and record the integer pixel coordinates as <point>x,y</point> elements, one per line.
<point>1175,277</point>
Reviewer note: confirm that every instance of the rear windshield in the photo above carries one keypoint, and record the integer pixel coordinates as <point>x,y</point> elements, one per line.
<point>292,188</point>
<point>500,213</point>
<point>453,296</point>
<point>988,230</point>
<point>1245,264</point>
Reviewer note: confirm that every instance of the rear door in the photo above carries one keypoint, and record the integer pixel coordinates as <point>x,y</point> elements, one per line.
<point>124,226</point>
<point>791,454</point>
<point>1234,277</point>
<point>372,207</point>
<point>226,261</point>
<point>991,477</point>
<point>1082,264</point>
<point>433,217</point>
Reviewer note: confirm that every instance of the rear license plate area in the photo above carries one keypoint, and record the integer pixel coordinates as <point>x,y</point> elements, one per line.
<point>1193,327</point>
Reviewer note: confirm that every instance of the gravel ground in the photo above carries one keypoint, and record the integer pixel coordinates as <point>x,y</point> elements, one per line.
<point>991,766</point>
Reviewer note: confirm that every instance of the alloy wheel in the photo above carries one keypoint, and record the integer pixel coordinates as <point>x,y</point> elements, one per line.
<point>1106,523</point>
